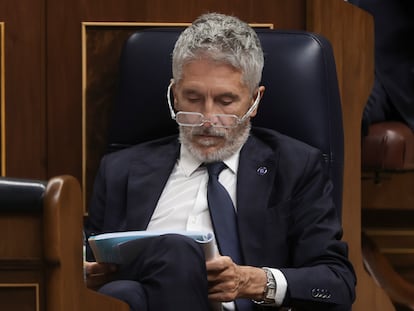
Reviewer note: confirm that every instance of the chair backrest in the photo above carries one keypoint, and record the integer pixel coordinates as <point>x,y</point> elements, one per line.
<point>301,99</point>
<point>21,195</point>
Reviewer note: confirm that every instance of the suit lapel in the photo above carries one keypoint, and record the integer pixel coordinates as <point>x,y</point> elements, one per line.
<point>256,174</point>
<point>147,178</point>
<point>255,181</point>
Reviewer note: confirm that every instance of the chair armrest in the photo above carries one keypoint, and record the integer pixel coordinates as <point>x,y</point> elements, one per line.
<point>398,289</point>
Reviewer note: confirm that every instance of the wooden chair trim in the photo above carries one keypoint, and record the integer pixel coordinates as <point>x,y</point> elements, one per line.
<point>398,289</point>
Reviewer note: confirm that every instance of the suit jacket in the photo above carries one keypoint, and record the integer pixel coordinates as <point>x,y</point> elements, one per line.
<point>286,217</point>
<point>394,51</point>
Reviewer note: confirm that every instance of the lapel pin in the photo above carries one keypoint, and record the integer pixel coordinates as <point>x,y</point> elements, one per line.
<point>262,170</point>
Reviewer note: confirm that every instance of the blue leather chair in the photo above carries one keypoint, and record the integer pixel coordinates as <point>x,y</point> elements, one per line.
<point>301,99</point>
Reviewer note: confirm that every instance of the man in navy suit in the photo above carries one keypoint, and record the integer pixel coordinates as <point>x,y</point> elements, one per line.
<point>291,251</point>
<point>392,97</point>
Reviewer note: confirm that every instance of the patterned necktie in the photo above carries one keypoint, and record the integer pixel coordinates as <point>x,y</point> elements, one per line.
<point>222,214</point>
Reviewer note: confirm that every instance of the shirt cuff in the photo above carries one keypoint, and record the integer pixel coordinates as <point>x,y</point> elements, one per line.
<point>281,286</point>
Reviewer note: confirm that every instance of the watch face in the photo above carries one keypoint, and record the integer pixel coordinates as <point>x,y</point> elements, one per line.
<point>270,289</point>
<point>271,293</point>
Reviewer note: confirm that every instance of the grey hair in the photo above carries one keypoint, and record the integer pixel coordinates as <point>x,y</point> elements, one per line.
<point>224,39</point>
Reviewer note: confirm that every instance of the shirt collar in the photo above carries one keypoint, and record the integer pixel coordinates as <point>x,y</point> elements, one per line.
<point>189,164</point>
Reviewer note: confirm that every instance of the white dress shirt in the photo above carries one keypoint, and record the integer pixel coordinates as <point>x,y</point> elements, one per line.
<point>183,204</point>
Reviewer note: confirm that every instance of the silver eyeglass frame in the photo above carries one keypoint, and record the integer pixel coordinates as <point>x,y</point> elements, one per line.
<point>202,117</point>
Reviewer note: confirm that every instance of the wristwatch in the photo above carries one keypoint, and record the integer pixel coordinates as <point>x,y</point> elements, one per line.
<point>269,291</point>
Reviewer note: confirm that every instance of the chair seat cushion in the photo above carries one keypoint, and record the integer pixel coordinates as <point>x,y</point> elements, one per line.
<point>388,146</point>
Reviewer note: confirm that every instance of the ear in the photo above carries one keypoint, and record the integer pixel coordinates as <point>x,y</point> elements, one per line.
<point>174,91</point>
<point>260,89</point>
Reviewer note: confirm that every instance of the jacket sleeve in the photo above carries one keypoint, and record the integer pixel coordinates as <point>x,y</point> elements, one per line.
<point>320,276</point>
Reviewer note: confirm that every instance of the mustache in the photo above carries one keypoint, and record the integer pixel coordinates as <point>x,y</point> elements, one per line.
<point>210,131</point>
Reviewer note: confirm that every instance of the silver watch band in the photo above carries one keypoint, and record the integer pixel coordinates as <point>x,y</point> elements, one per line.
<point>269,292</point>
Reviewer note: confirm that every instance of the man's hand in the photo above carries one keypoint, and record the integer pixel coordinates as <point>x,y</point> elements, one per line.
<point>97,274</point>
<point>228,281</point>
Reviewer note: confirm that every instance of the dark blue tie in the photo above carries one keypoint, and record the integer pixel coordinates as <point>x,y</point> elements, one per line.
<point>224,220</point>
<point>222,214</point>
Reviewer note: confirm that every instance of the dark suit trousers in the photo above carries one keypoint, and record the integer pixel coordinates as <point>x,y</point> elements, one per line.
<point>169,273</point>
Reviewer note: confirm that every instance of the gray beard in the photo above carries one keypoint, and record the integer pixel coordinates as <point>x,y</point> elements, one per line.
<point>235,139</point>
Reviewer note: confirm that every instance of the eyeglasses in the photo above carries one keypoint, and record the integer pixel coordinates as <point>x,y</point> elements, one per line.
<point>193,119</point>
<point>184,118</point>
